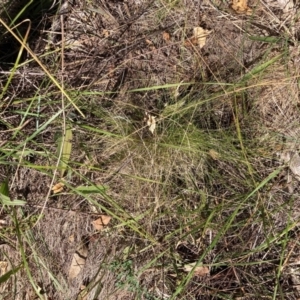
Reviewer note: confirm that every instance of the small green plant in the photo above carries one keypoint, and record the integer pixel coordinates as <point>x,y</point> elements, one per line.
<point>127,280</point>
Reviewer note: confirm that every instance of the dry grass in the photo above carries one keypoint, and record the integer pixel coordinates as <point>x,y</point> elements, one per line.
<point>205,188</point>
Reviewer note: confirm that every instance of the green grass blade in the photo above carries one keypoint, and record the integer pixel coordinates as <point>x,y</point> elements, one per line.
<point>4,190</point>
<point>64,146</point>
<point>8,274</point>
<point>91,189</point>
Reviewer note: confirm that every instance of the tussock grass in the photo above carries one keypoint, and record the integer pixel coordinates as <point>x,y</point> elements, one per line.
<point>205,188</point>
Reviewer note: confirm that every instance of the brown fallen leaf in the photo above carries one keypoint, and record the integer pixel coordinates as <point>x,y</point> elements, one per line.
<point>3,267</point>
<point>241,7</point>
<point>150,44</point>
<point>151,122</point>
<point>286,5</point>
<point>199,37</point>
<point>106,33</point>
<point>198,271</point>
<point>101,222</point>
<point>214,154</point>
<point>58,187</point>
<point>166,36</point>
<point>78,261</point>
<point>71,238</point>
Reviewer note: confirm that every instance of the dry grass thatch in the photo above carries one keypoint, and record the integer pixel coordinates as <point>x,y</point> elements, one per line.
<point>201,207</point>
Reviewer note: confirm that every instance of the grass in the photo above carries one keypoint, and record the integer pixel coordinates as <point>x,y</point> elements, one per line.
<point>205,188</point>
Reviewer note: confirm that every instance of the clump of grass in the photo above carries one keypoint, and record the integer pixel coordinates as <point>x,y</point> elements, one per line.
<point>202,189</point>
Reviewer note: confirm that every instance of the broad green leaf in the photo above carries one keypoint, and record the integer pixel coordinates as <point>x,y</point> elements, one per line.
<point>5,200</point>
<point>91,189</point>
<point>65,146</point>
<point>4,190</point>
